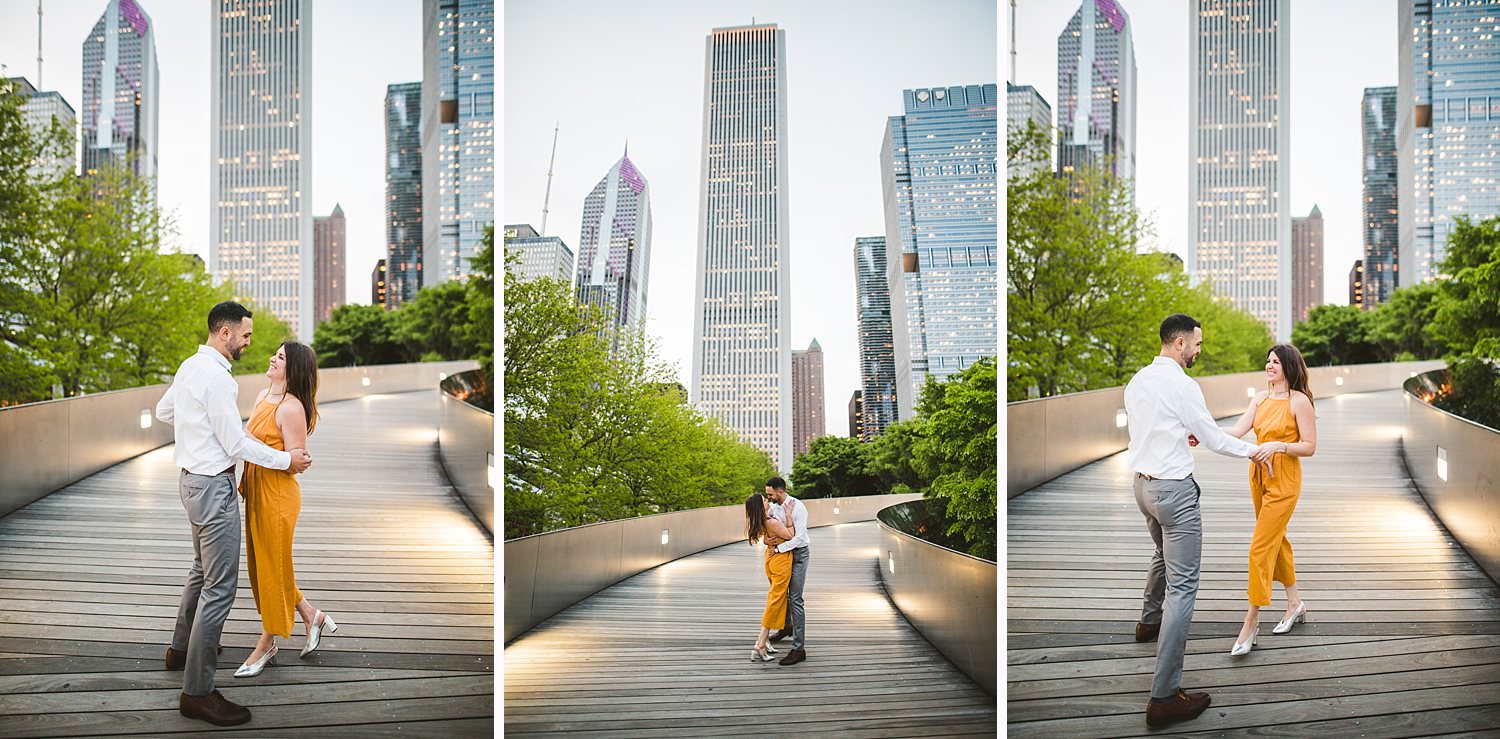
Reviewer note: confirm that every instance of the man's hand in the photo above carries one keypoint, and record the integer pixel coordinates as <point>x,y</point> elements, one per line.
<point>301,460</point>
<point>1262,456</point>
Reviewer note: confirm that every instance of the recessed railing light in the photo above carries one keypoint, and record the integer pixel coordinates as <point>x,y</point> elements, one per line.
<point>364,381</point>
<point>1250,392</point>
<point>145,418</point>
<point>1121,418</point>
<point>665,537</point>
<point>1442,464</point>
<point>890,561</point>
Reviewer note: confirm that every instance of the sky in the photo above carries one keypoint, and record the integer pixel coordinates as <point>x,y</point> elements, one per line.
<point>608,72</point>
<point>1329,74</point>
<point>348,104</point>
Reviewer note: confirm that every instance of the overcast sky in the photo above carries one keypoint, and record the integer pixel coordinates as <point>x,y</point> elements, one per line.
<point>359,46</point>
<point>611,71</point>
<point>1339,47</point>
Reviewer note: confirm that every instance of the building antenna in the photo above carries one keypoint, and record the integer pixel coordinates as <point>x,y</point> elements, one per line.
<point>1013,41</point>
<point>547,199</point>
<point>39,85</point>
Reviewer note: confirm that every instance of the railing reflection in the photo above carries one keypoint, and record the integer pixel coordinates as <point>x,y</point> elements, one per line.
<point>466,444</point>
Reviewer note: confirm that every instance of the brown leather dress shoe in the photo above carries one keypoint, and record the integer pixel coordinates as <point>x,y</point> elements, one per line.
<point>213,708</point>
<point>780,634</point>
<point>177,660</point>
<point>794,656</point>
<point>1182,707</point>
<point>1147,632</point>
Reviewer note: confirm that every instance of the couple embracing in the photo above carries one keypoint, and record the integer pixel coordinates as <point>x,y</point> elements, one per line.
<point>202,407</point>
<point>1167,414</point>
<point>779,521</point>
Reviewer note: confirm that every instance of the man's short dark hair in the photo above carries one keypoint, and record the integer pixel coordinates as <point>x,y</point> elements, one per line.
<point>776,483</point>
<point>225,313</point>
<point>1176,325</point>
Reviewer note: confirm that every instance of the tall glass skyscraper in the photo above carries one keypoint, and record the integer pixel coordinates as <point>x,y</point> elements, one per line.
<point>1096,87</point>
<point>458,134</point>
<point>262,236</point>
<point>742,323</point>
<point>1023,104</point>
<point>121,90</point>
<point>1382,222</point>
<point>614,246</point>
<point>1239,138</point>
<point>40,109</point>
<point>1448,120</point>
<point>403,191</point>
<point>938,170</point>
<point>877,350</point>
<point>540,256</point>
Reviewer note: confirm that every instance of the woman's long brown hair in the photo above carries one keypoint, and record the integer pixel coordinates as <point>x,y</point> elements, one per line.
<point>755,517</point>
<point>302,379</point>
<point>1294,368</point>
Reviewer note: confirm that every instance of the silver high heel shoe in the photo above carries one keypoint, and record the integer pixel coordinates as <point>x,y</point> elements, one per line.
<point>1243,647</point>
<point>770,648</point>
<point>757,655</point>
<point>321,621</point>
<point>251,669</point>
<point>1299,615</point>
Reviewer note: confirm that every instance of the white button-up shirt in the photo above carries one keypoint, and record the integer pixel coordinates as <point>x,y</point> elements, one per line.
<point>202,407</point>
<point>799,524</point>
<point>1163,405</point>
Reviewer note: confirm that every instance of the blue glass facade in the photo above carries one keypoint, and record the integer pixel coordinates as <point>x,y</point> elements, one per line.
<point>403,191</point>
<point>458,134</point>
<point>1378,113</point>
<point>877,355</point>
<point>938,168</point>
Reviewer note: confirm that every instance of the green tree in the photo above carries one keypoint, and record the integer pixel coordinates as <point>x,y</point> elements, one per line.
<point>1399,326</point>
<point>891,454</point>
<point>834,467</point>
<point>1467,319</point>
<point>958,453</point>
<point>435,325</point>
<point>481,323</point>
<point>356,335</point>
<point>1335,335</point>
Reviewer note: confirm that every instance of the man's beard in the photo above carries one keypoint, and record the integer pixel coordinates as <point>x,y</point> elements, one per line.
<point>235,353</point>
<point>1187,365</point>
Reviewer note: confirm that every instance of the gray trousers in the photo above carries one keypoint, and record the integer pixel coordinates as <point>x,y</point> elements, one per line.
<point>209,594</point>
<point>1176,525</point>
<point>796,611</point>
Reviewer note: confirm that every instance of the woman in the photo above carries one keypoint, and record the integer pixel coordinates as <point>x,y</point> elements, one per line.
<point>1282,414</point>
<point>762,524</point>
<point>285,413</point>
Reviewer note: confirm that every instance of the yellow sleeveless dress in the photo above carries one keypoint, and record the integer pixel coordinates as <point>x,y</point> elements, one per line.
<point>273,499</point>
<point>1275,497</point>
<point>779,573</point>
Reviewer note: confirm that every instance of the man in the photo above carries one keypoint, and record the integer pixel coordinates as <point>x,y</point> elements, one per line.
<point>796,612</point>
<point>1165,407</point>
<point>202,406</point>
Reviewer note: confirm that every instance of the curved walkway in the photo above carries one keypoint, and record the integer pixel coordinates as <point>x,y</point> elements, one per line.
<point>667,653</point>
<point>90,578</point>
<point>1403,631</point>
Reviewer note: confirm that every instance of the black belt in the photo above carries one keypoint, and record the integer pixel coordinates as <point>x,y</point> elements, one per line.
<point>226,471</point>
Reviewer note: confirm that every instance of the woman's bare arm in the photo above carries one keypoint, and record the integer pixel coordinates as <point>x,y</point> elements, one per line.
<point>1307,427</point>
<point>777,528</point>
<point>1247,420</point>
<point>291,419</point>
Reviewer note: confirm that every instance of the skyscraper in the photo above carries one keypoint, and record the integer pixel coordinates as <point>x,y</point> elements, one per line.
<point>121,91</point>
<point>403,191</point>
<point>742,323</point>
<point>941,193</point>
<point>458,134</point>
<point>1448,118</point>
<point>614,246</point>
<point>1096,88</point>
<point>40,109</point>
<point>856,417</point>
<point>378,292</point>
<point>877,350</point>
<point>1357,284</point>
<point>540,256</point>
<point>328,265</point>
<point>1307,264</point>
<point>261,187</point>
<point>1238,139</point>
<point>1382,222</point>
<point>1024,104</point>
<point>807,397</point>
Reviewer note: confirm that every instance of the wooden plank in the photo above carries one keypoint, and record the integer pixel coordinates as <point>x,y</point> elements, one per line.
<point>90,577</point>
<point>1403,636</point>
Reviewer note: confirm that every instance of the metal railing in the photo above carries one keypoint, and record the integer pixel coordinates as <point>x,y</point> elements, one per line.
<point>1455,463</point>
<point>1050,437</point>
<point>546,573</point>
<point>948,596</point>
<point>466,446</point>
<point>47,446</point>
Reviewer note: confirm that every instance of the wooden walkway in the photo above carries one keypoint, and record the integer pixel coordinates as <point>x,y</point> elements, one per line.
<point>1403,631</point>
<point>90,578</point>
<point>667,653</point>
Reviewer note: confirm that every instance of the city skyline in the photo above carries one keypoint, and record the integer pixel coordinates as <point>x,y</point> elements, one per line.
<point>655,102</point>
<point>614,245</point>
<point>348,104</point>
<point>1328,78</point>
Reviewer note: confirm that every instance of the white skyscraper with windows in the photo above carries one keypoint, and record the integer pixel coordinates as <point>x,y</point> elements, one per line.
<point>1096,78</point>
<point>614,245</point>
<point>261,187</point>
<point>742,324</point>
<point>1239,141</point>
<point>121,91</point>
